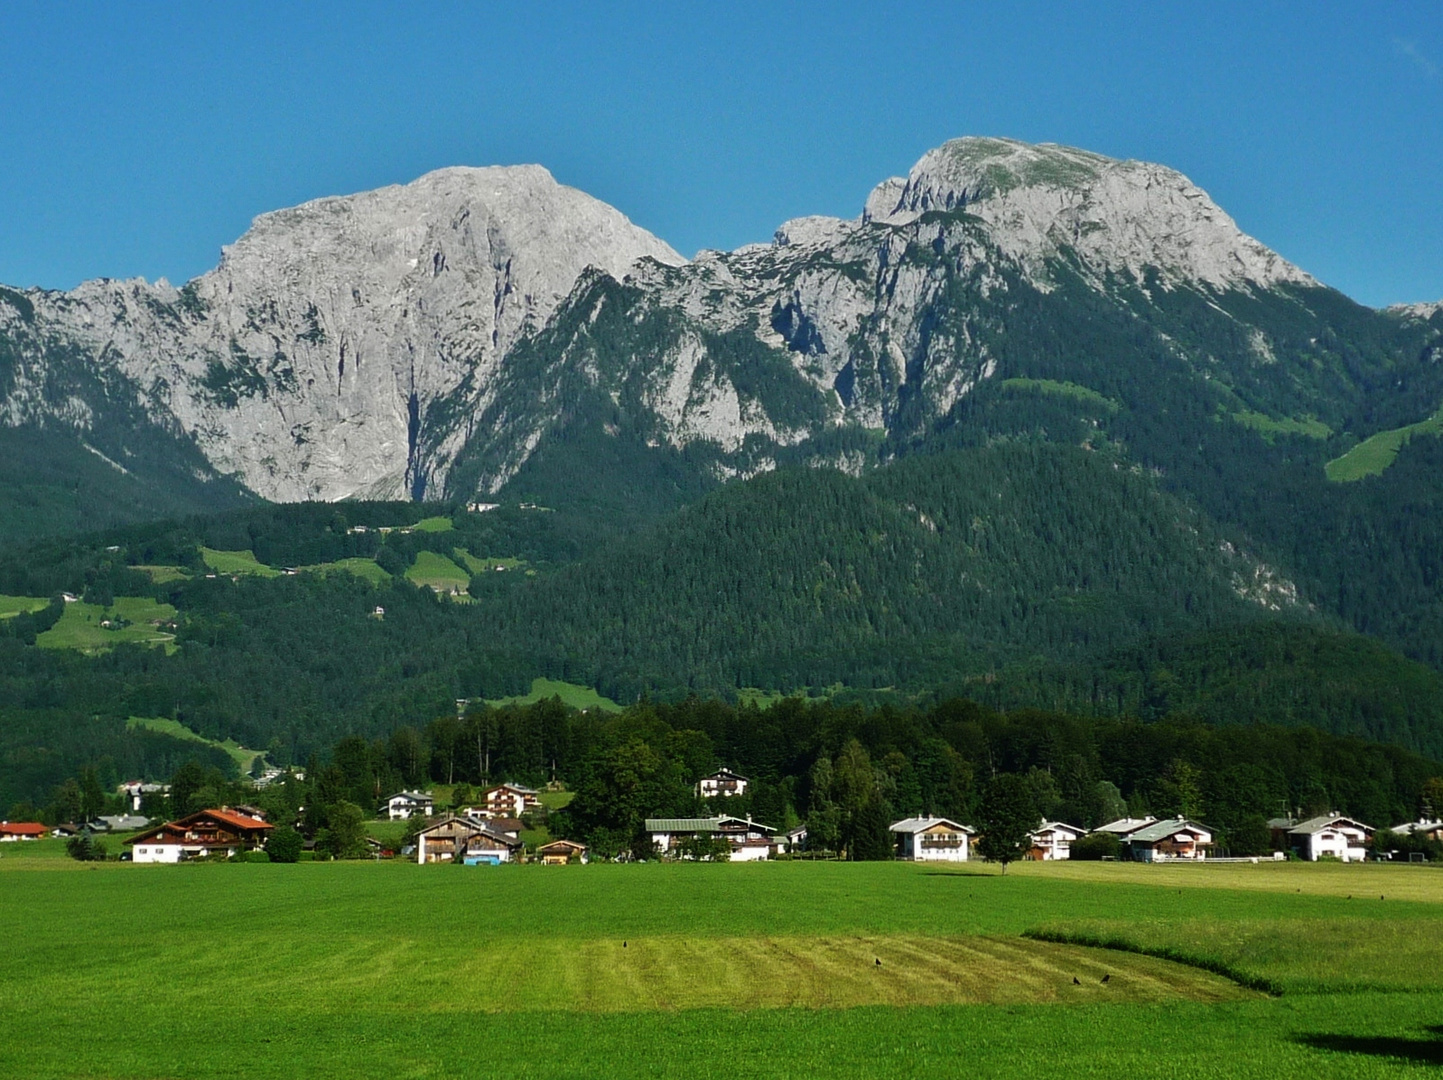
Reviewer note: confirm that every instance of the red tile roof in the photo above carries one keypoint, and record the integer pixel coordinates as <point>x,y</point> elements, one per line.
<point>23,828</point>
<point>240,821</point>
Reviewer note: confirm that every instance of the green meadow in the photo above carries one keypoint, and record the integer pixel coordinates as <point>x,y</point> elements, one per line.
<point>367,569</point>
<point>243,758</point>
<point>236,562</point>
<point>81,625</point>
<point>1270,428</point>
<point>571,695</point>
<point>480,565</point>
<point>439,572</point>
<point>1374,454</point>
<point>784,969</point>
<point>10,606</point>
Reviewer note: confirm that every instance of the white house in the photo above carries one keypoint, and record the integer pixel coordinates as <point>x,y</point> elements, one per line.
<point>1054,841</point>
<point>217,833</point>
<point>21,830</point>
<point>747,840</point>
<point>408,804</point>
<point>1331,834</point>
<point>721,784</point>
<point>510,800</point>
<point>1175,838</point>
<point>932,839</point>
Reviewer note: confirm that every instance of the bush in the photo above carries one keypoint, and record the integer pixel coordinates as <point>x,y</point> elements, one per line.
<point>284,845</point>
<point>83,848</point>
<point>1097,846</point>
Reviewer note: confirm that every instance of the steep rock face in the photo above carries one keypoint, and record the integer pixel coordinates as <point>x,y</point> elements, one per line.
<point>307,362</point>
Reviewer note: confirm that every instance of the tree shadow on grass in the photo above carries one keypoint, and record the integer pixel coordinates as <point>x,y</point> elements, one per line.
<point>1427,1051</point>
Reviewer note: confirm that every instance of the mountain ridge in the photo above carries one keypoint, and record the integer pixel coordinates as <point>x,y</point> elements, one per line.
<point>351,346</point>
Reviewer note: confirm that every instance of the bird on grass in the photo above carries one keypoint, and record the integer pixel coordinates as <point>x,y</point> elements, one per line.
<point>1107,976</point>
<point>623,944</point>
<point>878,961</point>
<point>1076,981</point>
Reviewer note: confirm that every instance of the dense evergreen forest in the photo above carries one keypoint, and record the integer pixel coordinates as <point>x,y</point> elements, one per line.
<point>1021,574</point>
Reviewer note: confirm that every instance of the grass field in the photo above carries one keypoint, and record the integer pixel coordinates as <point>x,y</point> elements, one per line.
<point>162,575</point>
<point>1269,428</point>
<point>236,562</point>
<point>239,754</point>
<point>1061,389</point>
<point>479,565</point>
<point>437,571</point>
<point>80,625</point>
<point>368,569</point>
<point>434,525</point>
<point>10,606</point>
<point>1371,456</point>
<point>578,697</point>
<point>659,970</point>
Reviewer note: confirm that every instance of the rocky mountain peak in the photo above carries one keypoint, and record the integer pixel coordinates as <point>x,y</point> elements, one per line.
<point>1116,216</point>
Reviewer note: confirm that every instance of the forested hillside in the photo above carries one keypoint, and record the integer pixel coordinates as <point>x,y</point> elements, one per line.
<point>1021,574</point>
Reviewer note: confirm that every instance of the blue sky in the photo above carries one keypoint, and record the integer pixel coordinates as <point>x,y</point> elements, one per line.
<point>136,139</point>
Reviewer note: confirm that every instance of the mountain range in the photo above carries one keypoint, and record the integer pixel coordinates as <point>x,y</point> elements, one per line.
<point>1036,423</point>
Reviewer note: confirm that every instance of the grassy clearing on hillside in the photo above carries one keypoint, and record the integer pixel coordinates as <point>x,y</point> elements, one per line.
<point>480,565</point>
<point>1309,426</point>
<point>438,572</point>
<point>236,562</point>
<point>10,606</point>
<point>367,569</point>
<point>338,970</point>
<point>80,625</point>
<point>162,575</point>
<point>243,758</point>
<point>434,525</point>
<point>1374,454</point>
<point>1061,389</point>
<point>578,697</point>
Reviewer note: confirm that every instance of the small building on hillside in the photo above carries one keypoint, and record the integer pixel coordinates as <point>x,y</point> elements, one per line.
<point>11,831</point>
<point>1053,841</point>
<point>137,790</point>
<point>472,842</point>
<point>561,852</point>
<point>405,805</point>
<point>721,784</point>
<point>221,832</point>
<point>1330,835</point>
<point>932,839</point>
<point>1175,838</point>
<point>117,823</point>
<point>510,800</point>
<point>1125,827</point>
<point>746,840</point>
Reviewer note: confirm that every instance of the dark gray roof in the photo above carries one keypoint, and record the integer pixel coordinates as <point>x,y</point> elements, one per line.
<point>1163,829</point>
<point>1326,821</point>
